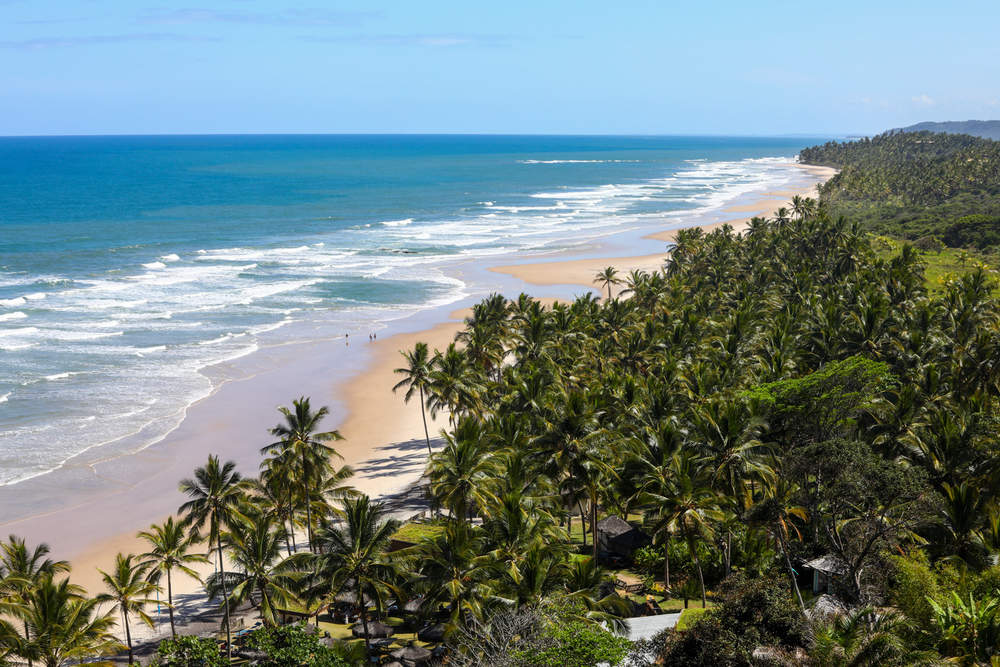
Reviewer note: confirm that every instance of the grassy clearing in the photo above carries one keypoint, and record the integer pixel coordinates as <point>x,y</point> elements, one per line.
<point>940,266</point>
<point>417,532</point>
<point>689,617</point>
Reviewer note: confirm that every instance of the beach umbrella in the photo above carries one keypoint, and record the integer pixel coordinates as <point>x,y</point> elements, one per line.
<point>431,633</point>
<point>412,655</point>
<point>375,630</point>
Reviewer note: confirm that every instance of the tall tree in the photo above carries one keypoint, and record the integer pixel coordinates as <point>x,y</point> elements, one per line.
<point>21,568</point>
<point>608,277</point>
<point>259,575</point>
<point>64,625</point>
<point>215,492</point>
<point>170,549</point>
<point>304,447</point>
<point>353,555</point>
<point>417,379</point>
<point>128,592</point>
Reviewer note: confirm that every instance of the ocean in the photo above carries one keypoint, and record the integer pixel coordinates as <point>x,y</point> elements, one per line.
<point>131,266</point>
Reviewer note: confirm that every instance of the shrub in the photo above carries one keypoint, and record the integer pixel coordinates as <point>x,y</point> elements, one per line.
<point>573,644</point>
<point>914,584</point>
<point>753,613</point>
<point>189,651</point>
<point>291,646</point>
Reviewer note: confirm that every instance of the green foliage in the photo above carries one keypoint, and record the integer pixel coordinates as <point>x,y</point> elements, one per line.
<point>189,651</point>
<point>573,644</point>
<point>690,616</point>
<point>916,184</point>
<point>753,613</point>
<point>914,585</point>
<point>968,628</point>
<point>291,646</point>
<point>648,560</point>
<point>815,406</point>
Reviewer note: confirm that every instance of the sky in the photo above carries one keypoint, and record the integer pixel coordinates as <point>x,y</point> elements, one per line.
<point>842,67</point>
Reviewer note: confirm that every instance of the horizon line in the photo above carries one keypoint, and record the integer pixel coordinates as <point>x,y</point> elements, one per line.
<point>791,135</point>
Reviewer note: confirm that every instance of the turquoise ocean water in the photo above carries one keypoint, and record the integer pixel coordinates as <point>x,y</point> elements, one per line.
<point>128,265</point>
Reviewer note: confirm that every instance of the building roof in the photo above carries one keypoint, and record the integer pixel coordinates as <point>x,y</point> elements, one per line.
<point>614,526</point>
<point>828,564</point>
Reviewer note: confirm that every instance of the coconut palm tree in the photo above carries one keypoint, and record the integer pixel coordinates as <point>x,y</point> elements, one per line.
<point>63,625</point>
<point>259,574</point>
<point>608,277</point>
<point>657,486</point>
<point>128,592</point>
<point>777,512</point>
<point>170,549</point>
<point>461,473</point>
<point>215,492</point>
<point>694,505</point>
<point>304,448</point>
<point>453,386</point>
<point>451,570</point>
<point>417,378</point>
<point>21,569</point>
<point>352,554</point>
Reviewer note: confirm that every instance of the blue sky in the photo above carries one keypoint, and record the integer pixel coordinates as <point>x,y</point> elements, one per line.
<point>624,67</point>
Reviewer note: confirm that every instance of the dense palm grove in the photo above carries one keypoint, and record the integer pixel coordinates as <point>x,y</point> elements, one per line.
<point>765,399</point>
<point>916,185</point>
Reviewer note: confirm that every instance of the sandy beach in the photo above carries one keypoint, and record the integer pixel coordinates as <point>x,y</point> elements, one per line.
<point>582,271</point>
<point>384,437</point>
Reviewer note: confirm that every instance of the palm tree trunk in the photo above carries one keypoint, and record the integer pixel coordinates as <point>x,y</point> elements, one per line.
<point>291,517</point>
<point>225,598</point>
<point>27,637</point>
<point>728,551</point>
<point>423,414</point>
<point>791,572</point>
<point>697,564</point>
<point>593,520</point>
<point>308,499</point>
<point>128,639</point>
<point>583,522</point>
<point>666,562</point>
<point>364,621</point>
<point>170,605</point>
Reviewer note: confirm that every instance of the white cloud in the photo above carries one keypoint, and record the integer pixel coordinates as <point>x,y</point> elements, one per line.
<point>923,99</point>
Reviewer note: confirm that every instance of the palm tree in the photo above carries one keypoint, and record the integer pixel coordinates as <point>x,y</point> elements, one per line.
<point>863,637</point>
<point>608,277</point>
<point>354,554</point>
<point>63,625</point>
<point>21,569</point>
<point>694,505</point>
<point>128,592</point>
<point>657,486</point>
<point>169,549</point>
<point>417,378</point>
<point>570,449</point>
<point>215,491</point>
<point>462,471</point>
<point>259,573</point>
<point>778,511</point>
<point>304,448</point>
<point>452,571</point>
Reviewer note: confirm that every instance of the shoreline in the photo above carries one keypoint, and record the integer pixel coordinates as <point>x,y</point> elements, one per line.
<point>384,436</point>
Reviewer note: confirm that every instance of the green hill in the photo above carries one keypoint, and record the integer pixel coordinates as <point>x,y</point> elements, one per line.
<point>988,129</point>
<point>916,185</point>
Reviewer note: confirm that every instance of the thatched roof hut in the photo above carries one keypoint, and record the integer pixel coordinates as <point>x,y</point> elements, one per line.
<point>412,655</point>
<point>618,537</point>
<point>375,630</point>
<point>432,633</point>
